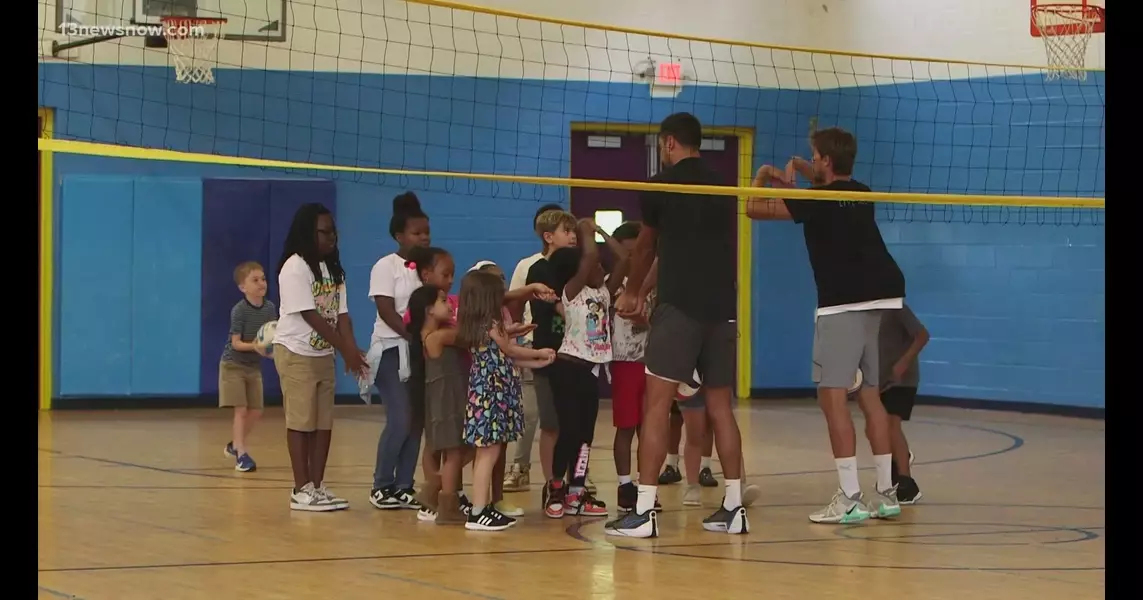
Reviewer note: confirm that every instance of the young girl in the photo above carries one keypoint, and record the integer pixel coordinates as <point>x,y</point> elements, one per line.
<point>443,369</point>
<point>391,283</point>
<point>493,414</point>
<point>585,350</point>
<point>314,322</point>
<point>433,267</point>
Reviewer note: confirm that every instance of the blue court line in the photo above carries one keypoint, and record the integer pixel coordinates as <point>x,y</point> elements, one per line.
<point>575,532</point>
<point>58,593</point>
<point>1016,442</point>
<point>435,586</point>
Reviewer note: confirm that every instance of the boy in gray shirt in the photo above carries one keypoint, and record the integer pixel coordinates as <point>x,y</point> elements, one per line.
<point>240,372</point>
<point>901,340</point>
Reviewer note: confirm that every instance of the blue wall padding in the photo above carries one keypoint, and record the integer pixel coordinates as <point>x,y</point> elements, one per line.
<point>166,286</point>
<point>235,229</point>
<point>95,255</point>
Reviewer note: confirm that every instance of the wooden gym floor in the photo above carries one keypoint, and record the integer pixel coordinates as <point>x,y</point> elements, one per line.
<point>142,504</point>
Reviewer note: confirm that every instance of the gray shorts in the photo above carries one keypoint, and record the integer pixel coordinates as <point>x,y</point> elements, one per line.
<point>545,403</point>
<point>843,343</point>
<point>678,344</point>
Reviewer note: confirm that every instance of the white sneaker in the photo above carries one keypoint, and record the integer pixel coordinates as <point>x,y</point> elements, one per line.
<point>842,509</point>
<point>310,500</point>
<point>332,498</point>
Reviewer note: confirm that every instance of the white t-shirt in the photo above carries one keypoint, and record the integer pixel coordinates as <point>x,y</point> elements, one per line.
<point>300,292</point>
<point>628,341</point>
<point>390,277</point>
<point>587,325</point>
<point>519,280</point>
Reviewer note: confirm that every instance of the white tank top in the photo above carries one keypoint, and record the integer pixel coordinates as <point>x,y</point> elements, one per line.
<point>587,325</point>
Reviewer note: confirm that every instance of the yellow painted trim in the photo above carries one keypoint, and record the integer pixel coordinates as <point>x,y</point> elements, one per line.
<point>745,261</point>
<point>745,137</point>
<point>47,262</point>
<point>136,153</point>
<point>709,40</point>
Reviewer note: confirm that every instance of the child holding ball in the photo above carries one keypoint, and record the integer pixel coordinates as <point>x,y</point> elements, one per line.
<point>240,371</point>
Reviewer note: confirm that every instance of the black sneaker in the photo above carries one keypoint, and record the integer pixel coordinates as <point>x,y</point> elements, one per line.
<point>384,498</point>
<point>465,504</point>
<point>407,499</point>
<point>670,475</point>
<point>628,495</point>
<point>727,521</point>
<point>489,519</point>
<point>635,525</point>
<point>706,478</point>
<point>907,490</point>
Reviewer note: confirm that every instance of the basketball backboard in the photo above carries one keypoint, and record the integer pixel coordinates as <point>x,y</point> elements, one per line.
<point>247,20</point>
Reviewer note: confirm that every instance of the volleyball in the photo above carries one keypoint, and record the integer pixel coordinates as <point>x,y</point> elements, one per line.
<point>690,388</point>
<point>857,381</point>
<point>265,337</point>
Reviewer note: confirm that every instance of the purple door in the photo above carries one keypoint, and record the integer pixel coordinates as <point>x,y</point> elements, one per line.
<point>626,157</point>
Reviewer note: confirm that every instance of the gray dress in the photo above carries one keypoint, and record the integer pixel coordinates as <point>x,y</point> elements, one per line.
<point>446,394</point>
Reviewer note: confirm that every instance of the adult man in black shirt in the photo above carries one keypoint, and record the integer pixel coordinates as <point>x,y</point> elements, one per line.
<point>693,329</point>
<point>857,281</point>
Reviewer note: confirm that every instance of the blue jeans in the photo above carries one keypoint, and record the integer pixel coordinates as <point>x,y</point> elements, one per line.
<point>400,444</point>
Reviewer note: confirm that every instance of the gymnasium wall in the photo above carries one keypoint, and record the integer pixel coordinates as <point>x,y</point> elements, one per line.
<point>1015,308</point>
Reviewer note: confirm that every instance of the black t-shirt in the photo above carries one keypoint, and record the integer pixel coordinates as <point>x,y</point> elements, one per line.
<point>850,260</point>
<point>549,332</point>
<point>697,243</point>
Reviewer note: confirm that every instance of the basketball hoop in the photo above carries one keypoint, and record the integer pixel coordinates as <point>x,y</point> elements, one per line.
<point>1066,29</point>
<point>193,42</point>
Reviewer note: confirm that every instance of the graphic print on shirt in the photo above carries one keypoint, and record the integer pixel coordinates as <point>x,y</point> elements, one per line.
<point>327,302</point>
<point>628,338</point>
<point>596,325</point>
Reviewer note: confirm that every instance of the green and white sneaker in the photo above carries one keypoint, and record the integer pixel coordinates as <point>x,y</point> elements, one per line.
<point>886,504</point>
<point>843,509</point>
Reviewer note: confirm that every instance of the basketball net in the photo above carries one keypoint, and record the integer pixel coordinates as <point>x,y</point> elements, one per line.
<point>192,51</point>
<point>1065,29</point>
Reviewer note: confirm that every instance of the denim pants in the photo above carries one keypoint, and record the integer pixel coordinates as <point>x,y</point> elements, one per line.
<point>400,445</point>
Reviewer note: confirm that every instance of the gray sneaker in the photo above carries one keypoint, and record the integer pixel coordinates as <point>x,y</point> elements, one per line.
<point>842,509</point>
<point>886,504</point>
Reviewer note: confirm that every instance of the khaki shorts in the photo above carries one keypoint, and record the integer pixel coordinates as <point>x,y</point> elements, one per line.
<point>308,384</point>
<point>239,386</point>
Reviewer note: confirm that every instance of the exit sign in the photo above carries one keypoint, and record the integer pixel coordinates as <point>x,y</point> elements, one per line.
<point>669,74</point>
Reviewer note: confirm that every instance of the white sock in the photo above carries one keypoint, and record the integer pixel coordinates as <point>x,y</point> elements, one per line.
<point>847,475</point>
<point>673,460</point>
<point>884,464</point>
<point>705,462</point>
<point>646,500</point>
<point>624,479</point>
<point>733,498</point>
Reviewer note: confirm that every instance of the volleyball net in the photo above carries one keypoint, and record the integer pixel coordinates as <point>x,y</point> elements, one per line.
<point>435,96</point>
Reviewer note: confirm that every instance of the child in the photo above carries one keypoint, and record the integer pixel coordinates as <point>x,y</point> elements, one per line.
<point>434,267</point>
<point>390,283</point>
<point>493,414</point>
<point>902,339</point>
<point>314,322</point>
<point>628,379</point>
<point>584,350</point>
<point>557,229</point>
<point>240,372</point>
<point>445,392</point>
<point>519,476</point>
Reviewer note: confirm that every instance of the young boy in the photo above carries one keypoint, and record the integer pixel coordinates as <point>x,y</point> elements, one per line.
<point>902,339</point>
<point>628,376</point>
<point>519,475</point>
<point>240,371</point>
<point>557,229</point>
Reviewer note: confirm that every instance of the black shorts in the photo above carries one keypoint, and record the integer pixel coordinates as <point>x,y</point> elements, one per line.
<point>679,344</point>
<point>899,401</point>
